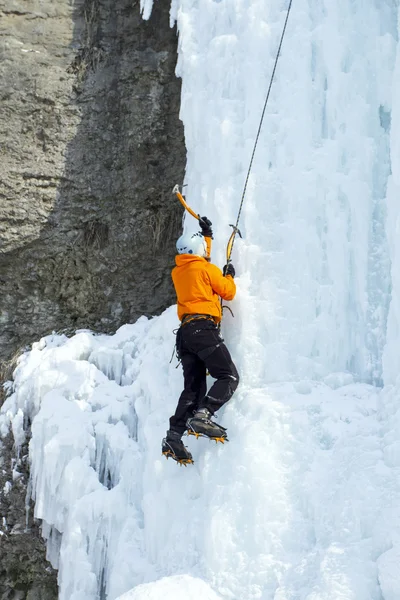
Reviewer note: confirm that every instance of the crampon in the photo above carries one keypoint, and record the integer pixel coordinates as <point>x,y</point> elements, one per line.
<point>216,439</point>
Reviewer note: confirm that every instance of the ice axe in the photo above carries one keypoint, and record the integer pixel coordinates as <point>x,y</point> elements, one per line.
<point>198,217</point>
<point>229,245</point>
<point>183,202</point>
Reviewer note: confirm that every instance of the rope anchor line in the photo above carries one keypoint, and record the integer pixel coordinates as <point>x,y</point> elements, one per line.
<point>177,188</point>
<point>259,127</point>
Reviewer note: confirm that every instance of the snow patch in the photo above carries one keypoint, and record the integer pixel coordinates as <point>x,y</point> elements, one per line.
<point>178,587</point>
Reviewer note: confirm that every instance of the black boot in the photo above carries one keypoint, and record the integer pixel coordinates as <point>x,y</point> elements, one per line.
<point>201,425</point>
<point>172,446</point>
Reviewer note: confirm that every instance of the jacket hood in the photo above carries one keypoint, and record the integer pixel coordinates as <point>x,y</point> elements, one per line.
<point>183,259</point>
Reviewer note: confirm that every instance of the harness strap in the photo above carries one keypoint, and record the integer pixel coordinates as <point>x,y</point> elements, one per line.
<point>188,318</point>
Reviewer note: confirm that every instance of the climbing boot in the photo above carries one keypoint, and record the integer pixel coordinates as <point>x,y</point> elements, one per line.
<point>200,425</point>
<point>172,446</point>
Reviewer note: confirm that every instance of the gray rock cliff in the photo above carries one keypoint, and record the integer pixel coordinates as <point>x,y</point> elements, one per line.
<point>90,146</point>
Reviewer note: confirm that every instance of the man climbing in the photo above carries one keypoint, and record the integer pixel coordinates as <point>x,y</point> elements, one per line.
<point>199,286</point>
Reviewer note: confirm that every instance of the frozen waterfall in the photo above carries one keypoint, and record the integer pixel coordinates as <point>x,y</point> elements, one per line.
<point>304,501</point>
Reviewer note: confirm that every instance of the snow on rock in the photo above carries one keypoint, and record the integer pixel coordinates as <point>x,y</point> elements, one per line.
<point>146,7</point>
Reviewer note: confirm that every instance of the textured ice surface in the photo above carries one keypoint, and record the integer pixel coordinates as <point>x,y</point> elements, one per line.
<point>304,501</point>
<point>315,261</point>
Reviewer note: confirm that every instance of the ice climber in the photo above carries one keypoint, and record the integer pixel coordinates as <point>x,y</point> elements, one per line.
<point>199,286</point>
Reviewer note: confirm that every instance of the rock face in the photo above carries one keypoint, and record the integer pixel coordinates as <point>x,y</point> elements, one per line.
<point>91,146</point>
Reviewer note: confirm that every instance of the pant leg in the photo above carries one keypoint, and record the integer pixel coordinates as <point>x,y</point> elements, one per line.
<point>221,367</point>
<point>203,339</point>
<point>195,387</point>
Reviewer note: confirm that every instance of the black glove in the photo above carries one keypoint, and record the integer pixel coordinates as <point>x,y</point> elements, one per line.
<point>229,269</point>
<point>205,225</point>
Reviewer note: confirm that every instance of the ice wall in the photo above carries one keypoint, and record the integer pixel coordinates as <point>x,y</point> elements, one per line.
<point>391,354</point>
<point>315,262</point>
<point>304,501</point>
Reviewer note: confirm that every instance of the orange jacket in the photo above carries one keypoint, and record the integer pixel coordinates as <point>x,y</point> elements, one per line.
<point>198,285</point>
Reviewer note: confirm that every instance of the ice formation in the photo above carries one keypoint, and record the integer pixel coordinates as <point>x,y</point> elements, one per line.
<point>304,501</point>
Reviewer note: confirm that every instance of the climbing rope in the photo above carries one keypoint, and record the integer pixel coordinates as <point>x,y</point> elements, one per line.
<point>235,227</point>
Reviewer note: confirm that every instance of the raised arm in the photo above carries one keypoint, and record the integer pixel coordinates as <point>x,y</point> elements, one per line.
<point>222,285</point>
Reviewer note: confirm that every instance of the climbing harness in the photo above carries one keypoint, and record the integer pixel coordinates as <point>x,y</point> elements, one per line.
<point>177,347</point>
<point>188,318</point>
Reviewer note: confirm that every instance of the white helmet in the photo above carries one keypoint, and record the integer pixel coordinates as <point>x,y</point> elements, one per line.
<point>192,243</point>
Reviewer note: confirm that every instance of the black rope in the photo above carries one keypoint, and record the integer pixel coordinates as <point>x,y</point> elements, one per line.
<point>261,121</point>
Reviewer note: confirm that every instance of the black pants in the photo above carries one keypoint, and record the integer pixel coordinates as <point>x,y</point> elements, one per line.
<point>202,349</point>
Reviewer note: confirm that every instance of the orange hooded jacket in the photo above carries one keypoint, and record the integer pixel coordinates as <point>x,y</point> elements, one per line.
<point>198,285</point>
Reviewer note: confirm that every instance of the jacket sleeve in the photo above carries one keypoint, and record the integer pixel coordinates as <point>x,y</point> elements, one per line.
<point>223,286</point>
